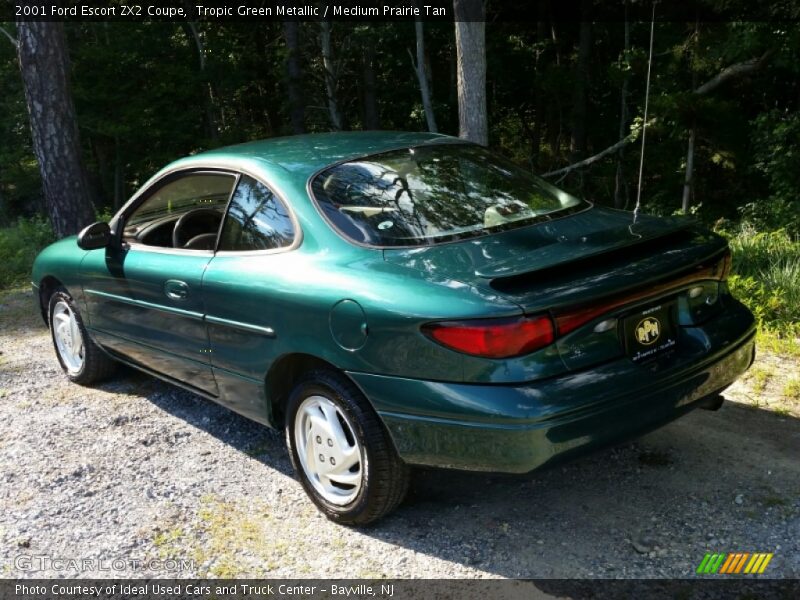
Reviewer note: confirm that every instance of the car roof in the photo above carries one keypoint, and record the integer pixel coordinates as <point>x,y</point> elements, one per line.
<point>287,163</point>
<point>304,155</point>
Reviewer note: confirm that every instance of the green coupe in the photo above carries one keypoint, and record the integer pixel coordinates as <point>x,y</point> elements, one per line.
<point>399,299</point>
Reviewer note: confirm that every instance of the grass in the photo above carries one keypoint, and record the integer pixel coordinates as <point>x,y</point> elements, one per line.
<point>759,376</point>
<point>230,531</point>
<point>791,389</point>
<point>766,277</point>
<point>235,538</point>
<point>168,537</point>
<point>778,341</point>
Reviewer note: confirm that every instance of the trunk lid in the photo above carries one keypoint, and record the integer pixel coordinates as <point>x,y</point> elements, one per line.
<point>565,261</point>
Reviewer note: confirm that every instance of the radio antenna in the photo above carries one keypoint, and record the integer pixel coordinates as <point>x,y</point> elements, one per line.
<point>644,122</point>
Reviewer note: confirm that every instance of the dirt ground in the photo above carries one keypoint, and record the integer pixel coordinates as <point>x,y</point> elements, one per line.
<point>138,470</point>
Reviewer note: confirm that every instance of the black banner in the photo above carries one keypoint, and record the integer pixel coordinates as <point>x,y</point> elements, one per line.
<point>395,10</point>
<point>403,589</point>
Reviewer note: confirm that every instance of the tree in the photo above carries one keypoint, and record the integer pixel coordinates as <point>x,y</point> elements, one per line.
<point>371,117</point>
<point>745,117</point>
<point>422,76</point>
<point>578,142</point>
<point>294,73</point>
<point>620,185</point>
<point>471,63</point>
<point>44,65</point>
<point>731,72</point>
<point>331,75</point>
<point>210,104</point>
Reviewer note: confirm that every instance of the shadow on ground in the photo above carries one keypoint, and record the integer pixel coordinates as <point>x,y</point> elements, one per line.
<point>721,481</point>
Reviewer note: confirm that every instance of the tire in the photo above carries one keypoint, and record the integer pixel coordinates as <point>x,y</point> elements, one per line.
<point>372,486</point>
<point>87,364</point>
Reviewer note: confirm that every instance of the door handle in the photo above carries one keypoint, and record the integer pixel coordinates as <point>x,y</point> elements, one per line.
<point>176,290</point>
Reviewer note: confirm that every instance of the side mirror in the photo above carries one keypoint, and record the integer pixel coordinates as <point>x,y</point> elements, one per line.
<point>97,235</point>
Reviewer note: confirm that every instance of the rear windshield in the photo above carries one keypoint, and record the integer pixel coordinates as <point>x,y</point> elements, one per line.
<point>431,194</point>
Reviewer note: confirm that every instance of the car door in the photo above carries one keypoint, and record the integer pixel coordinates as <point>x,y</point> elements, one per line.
<point>144,294</point>
<point>245,305</point>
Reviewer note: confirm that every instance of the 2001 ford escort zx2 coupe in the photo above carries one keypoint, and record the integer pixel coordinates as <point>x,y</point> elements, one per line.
<point>397,299</point>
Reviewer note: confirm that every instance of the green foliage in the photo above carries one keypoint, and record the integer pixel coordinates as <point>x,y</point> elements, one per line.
<point>19,245</point>
<point>104,214</point>
<point>145,93</point>
<point>766,277</point>
<point>777,159</point>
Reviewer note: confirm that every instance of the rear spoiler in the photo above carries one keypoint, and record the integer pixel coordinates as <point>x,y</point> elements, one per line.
<point>585,250</point>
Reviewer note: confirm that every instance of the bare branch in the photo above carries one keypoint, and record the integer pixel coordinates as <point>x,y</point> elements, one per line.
<point>10,37</point>
<point>733,71</point>
<point>413,63</point>
<point>631,137</point>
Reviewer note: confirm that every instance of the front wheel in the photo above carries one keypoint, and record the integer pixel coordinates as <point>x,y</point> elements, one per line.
<point>80,358</point>
<point>341,451</point>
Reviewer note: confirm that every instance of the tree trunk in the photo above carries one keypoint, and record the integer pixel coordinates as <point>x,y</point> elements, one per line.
<point>687,182</point>
<point>579,107</point>
<point>294,73</point>
<point>119,175</point>
<point>452,94</point>
<point>538,99</point>
<point>209,101</point>
<point>688,179</point>
<point>620,185</point>
<point>371,119</point>
<point>471,56</point>
<point>422,77</point>
<point>331,82</point>
<point>45,73</point>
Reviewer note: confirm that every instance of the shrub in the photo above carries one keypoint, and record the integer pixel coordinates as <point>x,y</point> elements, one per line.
<point>19,245</point>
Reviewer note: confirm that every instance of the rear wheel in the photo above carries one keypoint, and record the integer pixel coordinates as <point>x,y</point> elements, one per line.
<point>341,451</point>
<point>80,358</point>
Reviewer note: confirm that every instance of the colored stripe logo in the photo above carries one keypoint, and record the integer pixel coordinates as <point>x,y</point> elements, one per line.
<point>734,563</point>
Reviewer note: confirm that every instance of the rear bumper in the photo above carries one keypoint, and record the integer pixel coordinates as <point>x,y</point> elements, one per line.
<point>518,428</point>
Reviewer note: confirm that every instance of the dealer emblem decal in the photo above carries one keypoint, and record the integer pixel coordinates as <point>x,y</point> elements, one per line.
<point>648,330</point>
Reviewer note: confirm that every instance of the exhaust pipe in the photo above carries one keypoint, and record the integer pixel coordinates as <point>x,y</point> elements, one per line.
<point>712,402</point>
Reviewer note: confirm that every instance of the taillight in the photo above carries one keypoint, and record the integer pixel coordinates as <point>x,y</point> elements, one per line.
<point>570,321</point>
<point>494,338</point>
<point>570,318</point>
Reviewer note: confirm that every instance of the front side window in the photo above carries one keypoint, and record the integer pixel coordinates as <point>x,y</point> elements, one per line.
<point>184,213</point>
<point>431,194</point>
<point>256,219</point>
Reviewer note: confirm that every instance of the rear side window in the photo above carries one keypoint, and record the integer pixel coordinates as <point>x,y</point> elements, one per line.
<point>256,219</point>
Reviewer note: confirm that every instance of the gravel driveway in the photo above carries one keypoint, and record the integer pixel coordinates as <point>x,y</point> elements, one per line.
<point>139,470</point>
